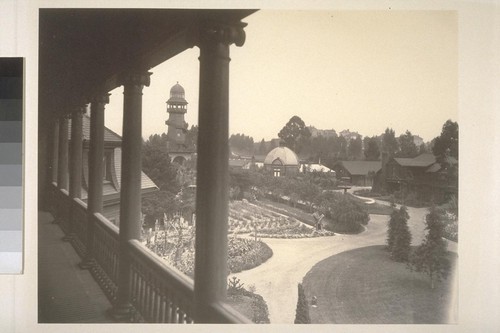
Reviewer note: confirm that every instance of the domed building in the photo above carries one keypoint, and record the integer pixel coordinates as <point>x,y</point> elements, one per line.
<point>282,161</point>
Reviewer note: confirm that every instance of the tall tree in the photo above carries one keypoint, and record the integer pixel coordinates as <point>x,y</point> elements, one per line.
<point>447,142</point>
<point>156,163</point>
<point>431,256</point>
<point>158,204</point>
<point>408,148</point>
<point>355,148</point>
<point>389,142</point>
<point>422,149</point>
<point>295,134</point>
<point>262,148</point>
<point>241,143</point>
<point>192,137</point>
<point>372,151</point>
<point>399,237</point>
<point>342,148</point>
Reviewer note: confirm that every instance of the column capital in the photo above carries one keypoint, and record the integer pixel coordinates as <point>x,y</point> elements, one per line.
<point>79,110</point>
<point>100,98</point>
<point>135,78</point>
<point>222,32</point>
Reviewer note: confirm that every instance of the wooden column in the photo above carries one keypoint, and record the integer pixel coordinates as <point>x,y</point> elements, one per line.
<point>130,193</point>
<point>75,170</point>
<point>55,149</point>
<point>75,182</point>
<point>212,175</point>
<point>96,156</point>
<point>62,161</point>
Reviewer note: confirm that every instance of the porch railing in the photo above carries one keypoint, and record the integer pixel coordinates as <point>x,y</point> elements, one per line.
<point>160,293</point>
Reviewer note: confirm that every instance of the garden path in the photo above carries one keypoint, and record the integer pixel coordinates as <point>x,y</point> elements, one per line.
<point>276,280</point>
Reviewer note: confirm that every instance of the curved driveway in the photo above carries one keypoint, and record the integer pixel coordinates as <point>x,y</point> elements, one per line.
<point>276,280</point>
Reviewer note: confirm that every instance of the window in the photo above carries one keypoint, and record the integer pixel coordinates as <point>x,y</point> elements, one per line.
<point>107,166</point>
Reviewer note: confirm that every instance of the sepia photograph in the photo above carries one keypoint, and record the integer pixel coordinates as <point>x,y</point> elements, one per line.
<point>288,166</point>
<point>248,166</point>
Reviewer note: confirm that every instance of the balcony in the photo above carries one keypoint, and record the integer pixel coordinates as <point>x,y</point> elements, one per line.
<point>84,54</point>
<point>159,293</point>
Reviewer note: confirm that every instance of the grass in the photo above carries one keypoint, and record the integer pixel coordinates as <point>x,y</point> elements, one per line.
<point>364,286</point>
<point>374,208</point>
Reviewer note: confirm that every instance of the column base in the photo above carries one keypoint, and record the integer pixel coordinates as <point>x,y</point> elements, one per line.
<point>123,313</point>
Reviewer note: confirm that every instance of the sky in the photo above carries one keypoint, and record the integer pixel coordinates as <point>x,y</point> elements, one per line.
<point>357,70</point>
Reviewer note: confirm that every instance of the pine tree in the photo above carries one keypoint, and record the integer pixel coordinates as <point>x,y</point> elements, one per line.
<point>391,228</point>
<point>302,312</point>
<point>431,257</point>
<point>402,241</point>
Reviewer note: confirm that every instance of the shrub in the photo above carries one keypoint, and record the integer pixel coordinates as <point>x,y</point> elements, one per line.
<point>345,214</point>
<point>244,254</point>
<point>431,257</point>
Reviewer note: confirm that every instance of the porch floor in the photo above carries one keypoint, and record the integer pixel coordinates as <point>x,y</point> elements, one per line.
<point>66,294</point>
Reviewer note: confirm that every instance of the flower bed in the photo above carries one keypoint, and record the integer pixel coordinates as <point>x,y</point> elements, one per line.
<point>268,222</point>
<point>243,254</point>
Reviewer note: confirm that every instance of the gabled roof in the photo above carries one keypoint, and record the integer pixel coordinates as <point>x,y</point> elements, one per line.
<point>436,167</point>
<point>109,189</point>
<point>361,167</point>
<point>146,182</point>
<point>422,160</point>
<point>109,135</point>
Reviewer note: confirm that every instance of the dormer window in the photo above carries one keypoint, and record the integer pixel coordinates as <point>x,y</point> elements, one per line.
<point>107,166</point>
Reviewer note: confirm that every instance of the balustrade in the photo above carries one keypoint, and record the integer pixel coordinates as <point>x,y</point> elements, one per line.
<point>160,293</point>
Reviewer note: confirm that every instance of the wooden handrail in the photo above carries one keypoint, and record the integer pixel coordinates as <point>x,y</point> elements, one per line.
<point>107,225</point>
<point>225,314</point>
<point>182,285</point>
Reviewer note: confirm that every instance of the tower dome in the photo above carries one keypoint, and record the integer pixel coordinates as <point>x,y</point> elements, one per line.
<point>177,95</point>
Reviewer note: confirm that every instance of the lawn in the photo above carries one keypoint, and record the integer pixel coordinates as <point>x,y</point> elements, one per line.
<point>364,286</point>
<point>374,208</point>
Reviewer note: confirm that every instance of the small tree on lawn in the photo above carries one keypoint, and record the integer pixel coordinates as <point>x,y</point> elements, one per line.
<point>430,257</point>
<point>302,312</point>
<point>391,229</point>
<point>401,240</point>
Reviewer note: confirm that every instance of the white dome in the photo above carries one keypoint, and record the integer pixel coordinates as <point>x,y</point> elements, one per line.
<point>282,156</point>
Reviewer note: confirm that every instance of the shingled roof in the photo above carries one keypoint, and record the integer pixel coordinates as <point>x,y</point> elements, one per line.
<point>361,168</point>
<point>109,135</point>
<point>109,189</point>
<point>422,160</point>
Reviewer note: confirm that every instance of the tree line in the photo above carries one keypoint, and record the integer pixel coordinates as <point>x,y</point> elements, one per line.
<point>296,135</point>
